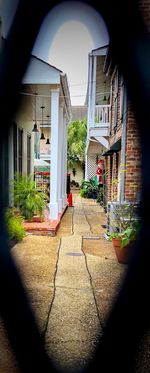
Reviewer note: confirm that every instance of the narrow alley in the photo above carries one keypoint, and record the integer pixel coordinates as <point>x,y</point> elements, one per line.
<point>72,280</point>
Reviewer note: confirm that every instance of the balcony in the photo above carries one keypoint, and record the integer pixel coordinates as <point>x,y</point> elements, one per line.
<point>100,126</point>
<point>102,115</point>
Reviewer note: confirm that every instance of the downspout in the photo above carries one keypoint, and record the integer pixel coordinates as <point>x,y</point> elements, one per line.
<point>123,157</point>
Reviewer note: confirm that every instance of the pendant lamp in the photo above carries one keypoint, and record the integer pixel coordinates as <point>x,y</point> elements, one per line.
<point>42,133</point>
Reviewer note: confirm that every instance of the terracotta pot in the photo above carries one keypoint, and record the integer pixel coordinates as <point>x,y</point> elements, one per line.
<point>123,253</point>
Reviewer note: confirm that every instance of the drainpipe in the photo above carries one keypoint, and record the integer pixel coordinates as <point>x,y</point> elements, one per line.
<point>123,157</point>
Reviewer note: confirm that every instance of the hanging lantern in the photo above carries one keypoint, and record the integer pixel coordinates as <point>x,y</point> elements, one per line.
<point>42,133</point>
<point>35,129</point>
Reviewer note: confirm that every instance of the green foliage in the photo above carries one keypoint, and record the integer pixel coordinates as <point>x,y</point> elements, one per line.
<point>88,188</point>
<point>14,224</point>
<point>27,197</point>
<point>123,215</point>
<point>77,132</point>
<point>130,234</point>
<point>127,235</point>
<point>83,193</point>
<point>100,196</point>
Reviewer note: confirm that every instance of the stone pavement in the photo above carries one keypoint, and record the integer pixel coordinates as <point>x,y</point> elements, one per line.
<point>72,280</point>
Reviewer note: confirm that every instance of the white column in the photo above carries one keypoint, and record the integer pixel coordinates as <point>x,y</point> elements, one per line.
<point>24,152</point>
<point>32,154</point>
<point>54,154</point>
<point>93,91</point>
<point>64,176</point>
<point>60,160</point>
<point>89,96</point>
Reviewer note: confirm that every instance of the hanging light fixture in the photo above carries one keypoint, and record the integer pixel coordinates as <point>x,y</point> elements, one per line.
<point>35,129</point>
<point>47,141</point>
<point>42,133</point>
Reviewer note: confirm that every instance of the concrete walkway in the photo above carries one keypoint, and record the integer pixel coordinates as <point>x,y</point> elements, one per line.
<point>72,280</point>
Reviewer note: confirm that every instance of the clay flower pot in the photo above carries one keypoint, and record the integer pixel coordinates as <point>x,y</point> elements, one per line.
<point>123,253</point>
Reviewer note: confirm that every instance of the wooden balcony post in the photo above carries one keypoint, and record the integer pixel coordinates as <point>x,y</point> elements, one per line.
<point>54,154</point>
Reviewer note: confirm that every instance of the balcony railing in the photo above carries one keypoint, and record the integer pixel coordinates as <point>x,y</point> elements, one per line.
<point>102,115</point>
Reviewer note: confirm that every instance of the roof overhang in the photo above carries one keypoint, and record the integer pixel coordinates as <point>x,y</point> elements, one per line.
<point>101,51</point>
<point>109,63</point>
<point>66,93</point>
<point>40,72</point>
<point>115,148</point>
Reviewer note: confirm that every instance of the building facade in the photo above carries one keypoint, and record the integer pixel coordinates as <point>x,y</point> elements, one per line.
<point>44,104</point>
<point>51,112</point>
<point>98,111</point>
<point>122,151</point>
<point>123,158</point>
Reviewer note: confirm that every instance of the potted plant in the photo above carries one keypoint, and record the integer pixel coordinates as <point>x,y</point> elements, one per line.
<point>89,189</point>
<point>124,241</point>
<point>30,201</point>
<point>125,232</point>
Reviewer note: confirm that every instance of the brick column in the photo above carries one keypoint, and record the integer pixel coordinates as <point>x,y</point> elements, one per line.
<point>115,177</point>
<point>108,170</point>
<point>133,159</point>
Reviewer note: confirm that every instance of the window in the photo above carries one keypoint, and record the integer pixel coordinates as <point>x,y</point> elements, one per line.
<point>28,154</point>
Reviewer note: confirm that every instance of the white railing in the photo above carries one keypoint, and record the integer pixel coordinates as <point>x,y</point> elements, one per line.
<point>45,156</point>
<point>102,115</point>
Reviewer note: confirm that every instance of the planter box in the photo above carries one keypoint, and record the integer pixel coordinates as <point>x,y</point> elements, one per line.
<point>38,219</point>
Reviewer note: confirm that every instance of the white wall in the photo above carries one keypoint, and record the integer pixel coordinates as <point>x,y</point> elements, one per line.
<point>79,173</point>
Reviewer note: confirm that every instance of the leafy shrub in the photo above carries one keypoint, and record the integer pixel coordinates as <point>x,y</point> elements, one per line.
<point>14,224</point>
<point>100,196</point>
<point>27,197</point>
<point>83,193</point>
<point>88,188</point>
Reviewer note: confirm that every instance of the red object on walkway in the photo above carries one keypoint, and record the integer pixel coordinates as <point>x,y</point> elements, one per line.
<point>70,200</point>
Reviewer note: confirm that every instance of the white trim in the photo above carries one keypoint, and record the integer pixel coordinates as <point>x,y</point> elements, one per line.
<point>102,141</point>
<point>60,160</point>
<point>54,154</point>
<point>99,52</point>
<point>39,72</point>
<point>93,93</point>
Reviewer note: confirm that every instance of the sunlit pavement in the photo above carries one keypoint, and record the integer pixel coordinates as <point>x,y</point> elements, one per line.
<point>72,280</point>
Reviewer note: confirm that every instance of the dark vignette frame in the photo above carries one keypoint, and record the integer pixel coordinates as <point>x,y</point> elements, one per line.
<point>129,319</point>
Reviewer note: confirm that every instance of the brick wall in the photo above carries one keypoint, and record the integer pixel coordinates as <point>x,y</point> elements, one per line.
<point>133,158</point>
<point>144,7</point>
<point>108,178</point>
<point>115,177</point>
<point>133,174</point>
